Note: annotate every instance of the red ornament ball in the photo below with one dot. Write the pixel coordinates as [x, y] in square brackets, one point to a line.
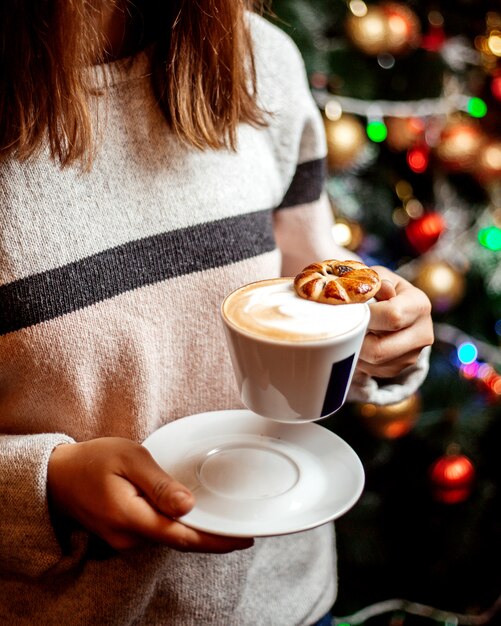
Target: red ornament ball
[434, 39]
[404, 29]
[452, 478]
[424, 231]
[496, 85]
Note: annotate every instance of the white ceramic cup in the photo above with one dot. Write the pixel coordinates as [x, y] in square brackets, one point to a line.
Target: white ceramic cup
[293, 358]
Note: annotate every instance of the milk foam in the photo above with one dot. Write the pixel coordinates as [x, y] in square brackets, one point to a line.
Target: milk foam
[273, 309]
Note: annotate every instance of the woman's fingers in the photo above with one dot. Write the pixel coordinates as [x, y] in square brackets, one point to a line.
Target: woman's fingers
[399, 305]
[165, 493]
[400, 327]
[141, 521]
[151, 513]
[385, 354]
[390, 368]
[116, 490]
[386, 291]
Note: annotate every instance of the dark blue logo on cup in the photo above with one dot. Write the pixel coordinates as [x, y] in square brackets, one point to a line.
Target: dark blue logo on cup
[336, 388]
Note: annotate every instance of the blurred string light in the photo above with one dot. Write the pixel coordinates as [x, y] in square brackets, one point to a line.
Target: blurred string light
[335, 106]
[490, 43]
[358, 8]
[426, 107]
[475, 359]
[490, 238]
[376, 112]
[418, 158]
[484, 373]
[467, 352]
[386, 60]
[494, 44]
[376, 130]
[411, 207]
[402, 23]
[476, 107]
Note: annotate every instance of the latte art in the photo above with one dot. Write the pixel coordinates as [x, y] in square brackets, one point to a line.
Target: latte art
[272, 309]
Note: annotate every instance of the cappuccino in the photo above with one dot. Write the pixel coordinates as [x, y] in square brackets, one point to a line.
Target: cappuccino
[293, 358]
[271, 309]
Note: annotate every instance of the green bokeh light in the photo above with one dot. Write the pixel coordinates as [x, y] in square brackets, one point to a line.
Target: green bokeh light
[490, 238]
[377, 131]
[476, 107]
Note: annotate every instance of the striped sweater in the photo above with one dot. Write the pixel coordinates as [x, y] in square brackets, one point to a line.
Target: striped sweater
[110, 287]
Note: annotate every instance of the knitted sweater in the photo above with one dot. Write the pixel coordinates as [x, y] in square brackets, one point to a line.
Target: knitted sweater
[110, 287]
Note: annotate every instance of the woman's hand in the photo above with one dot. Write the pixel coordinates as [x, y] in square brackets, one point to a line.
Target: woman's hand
[115, 489]
[400, 327]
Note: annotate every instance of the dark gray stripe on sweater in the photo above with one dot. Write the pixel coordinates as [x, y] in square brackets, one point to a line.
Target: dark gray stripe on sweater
[53, 293]
[307, 184]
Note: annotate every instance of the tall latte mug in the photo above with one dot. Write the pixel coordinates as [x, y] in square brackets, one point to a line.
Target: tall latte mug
[293, 359]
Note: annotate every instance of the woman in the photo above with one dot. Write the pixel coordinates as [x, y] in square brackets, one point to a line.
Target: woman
[154, 156]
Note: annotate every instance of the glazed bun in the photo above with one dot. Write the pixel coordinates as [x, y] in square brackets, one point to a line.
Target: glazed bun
[337, 282]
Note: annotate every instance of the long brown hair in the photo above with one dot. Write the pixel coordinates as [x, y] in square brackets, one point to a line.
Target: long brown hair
[203, 73]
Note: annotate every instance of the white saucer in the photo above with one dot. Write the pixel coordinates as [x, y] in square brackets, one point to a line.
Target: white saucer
[253, 477]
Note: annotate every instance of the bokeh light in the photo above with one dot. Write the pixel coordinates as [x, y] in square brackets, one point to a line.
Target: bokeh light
[377, 131]
[467, 352]
[476, 107]
[490, 238]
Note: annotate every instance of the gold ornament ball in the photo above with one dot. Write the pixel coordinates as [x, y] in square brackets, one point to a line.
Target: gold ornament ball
[391, 421]
[403, 132]
[345, 140]
[347, 233]
[443, 284]
[368, 32]
[388, 28]
[488, 166]
[460, 145]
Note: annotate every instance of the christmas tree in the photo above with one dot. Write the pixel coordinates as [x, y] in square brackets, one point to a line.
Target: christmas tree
[410, 93]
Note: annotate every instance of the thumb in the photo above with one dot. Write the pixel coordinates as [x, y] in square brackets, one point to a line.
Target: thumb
[164, 492]
[386, 291]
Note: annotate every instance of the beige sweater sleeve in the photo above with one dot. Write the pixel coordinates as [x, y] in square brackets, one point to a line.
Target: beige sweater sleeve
[28, 541]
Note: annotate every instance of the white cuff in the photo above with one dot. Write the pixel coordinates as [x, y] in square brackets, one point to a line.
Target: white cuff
[366, 389]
